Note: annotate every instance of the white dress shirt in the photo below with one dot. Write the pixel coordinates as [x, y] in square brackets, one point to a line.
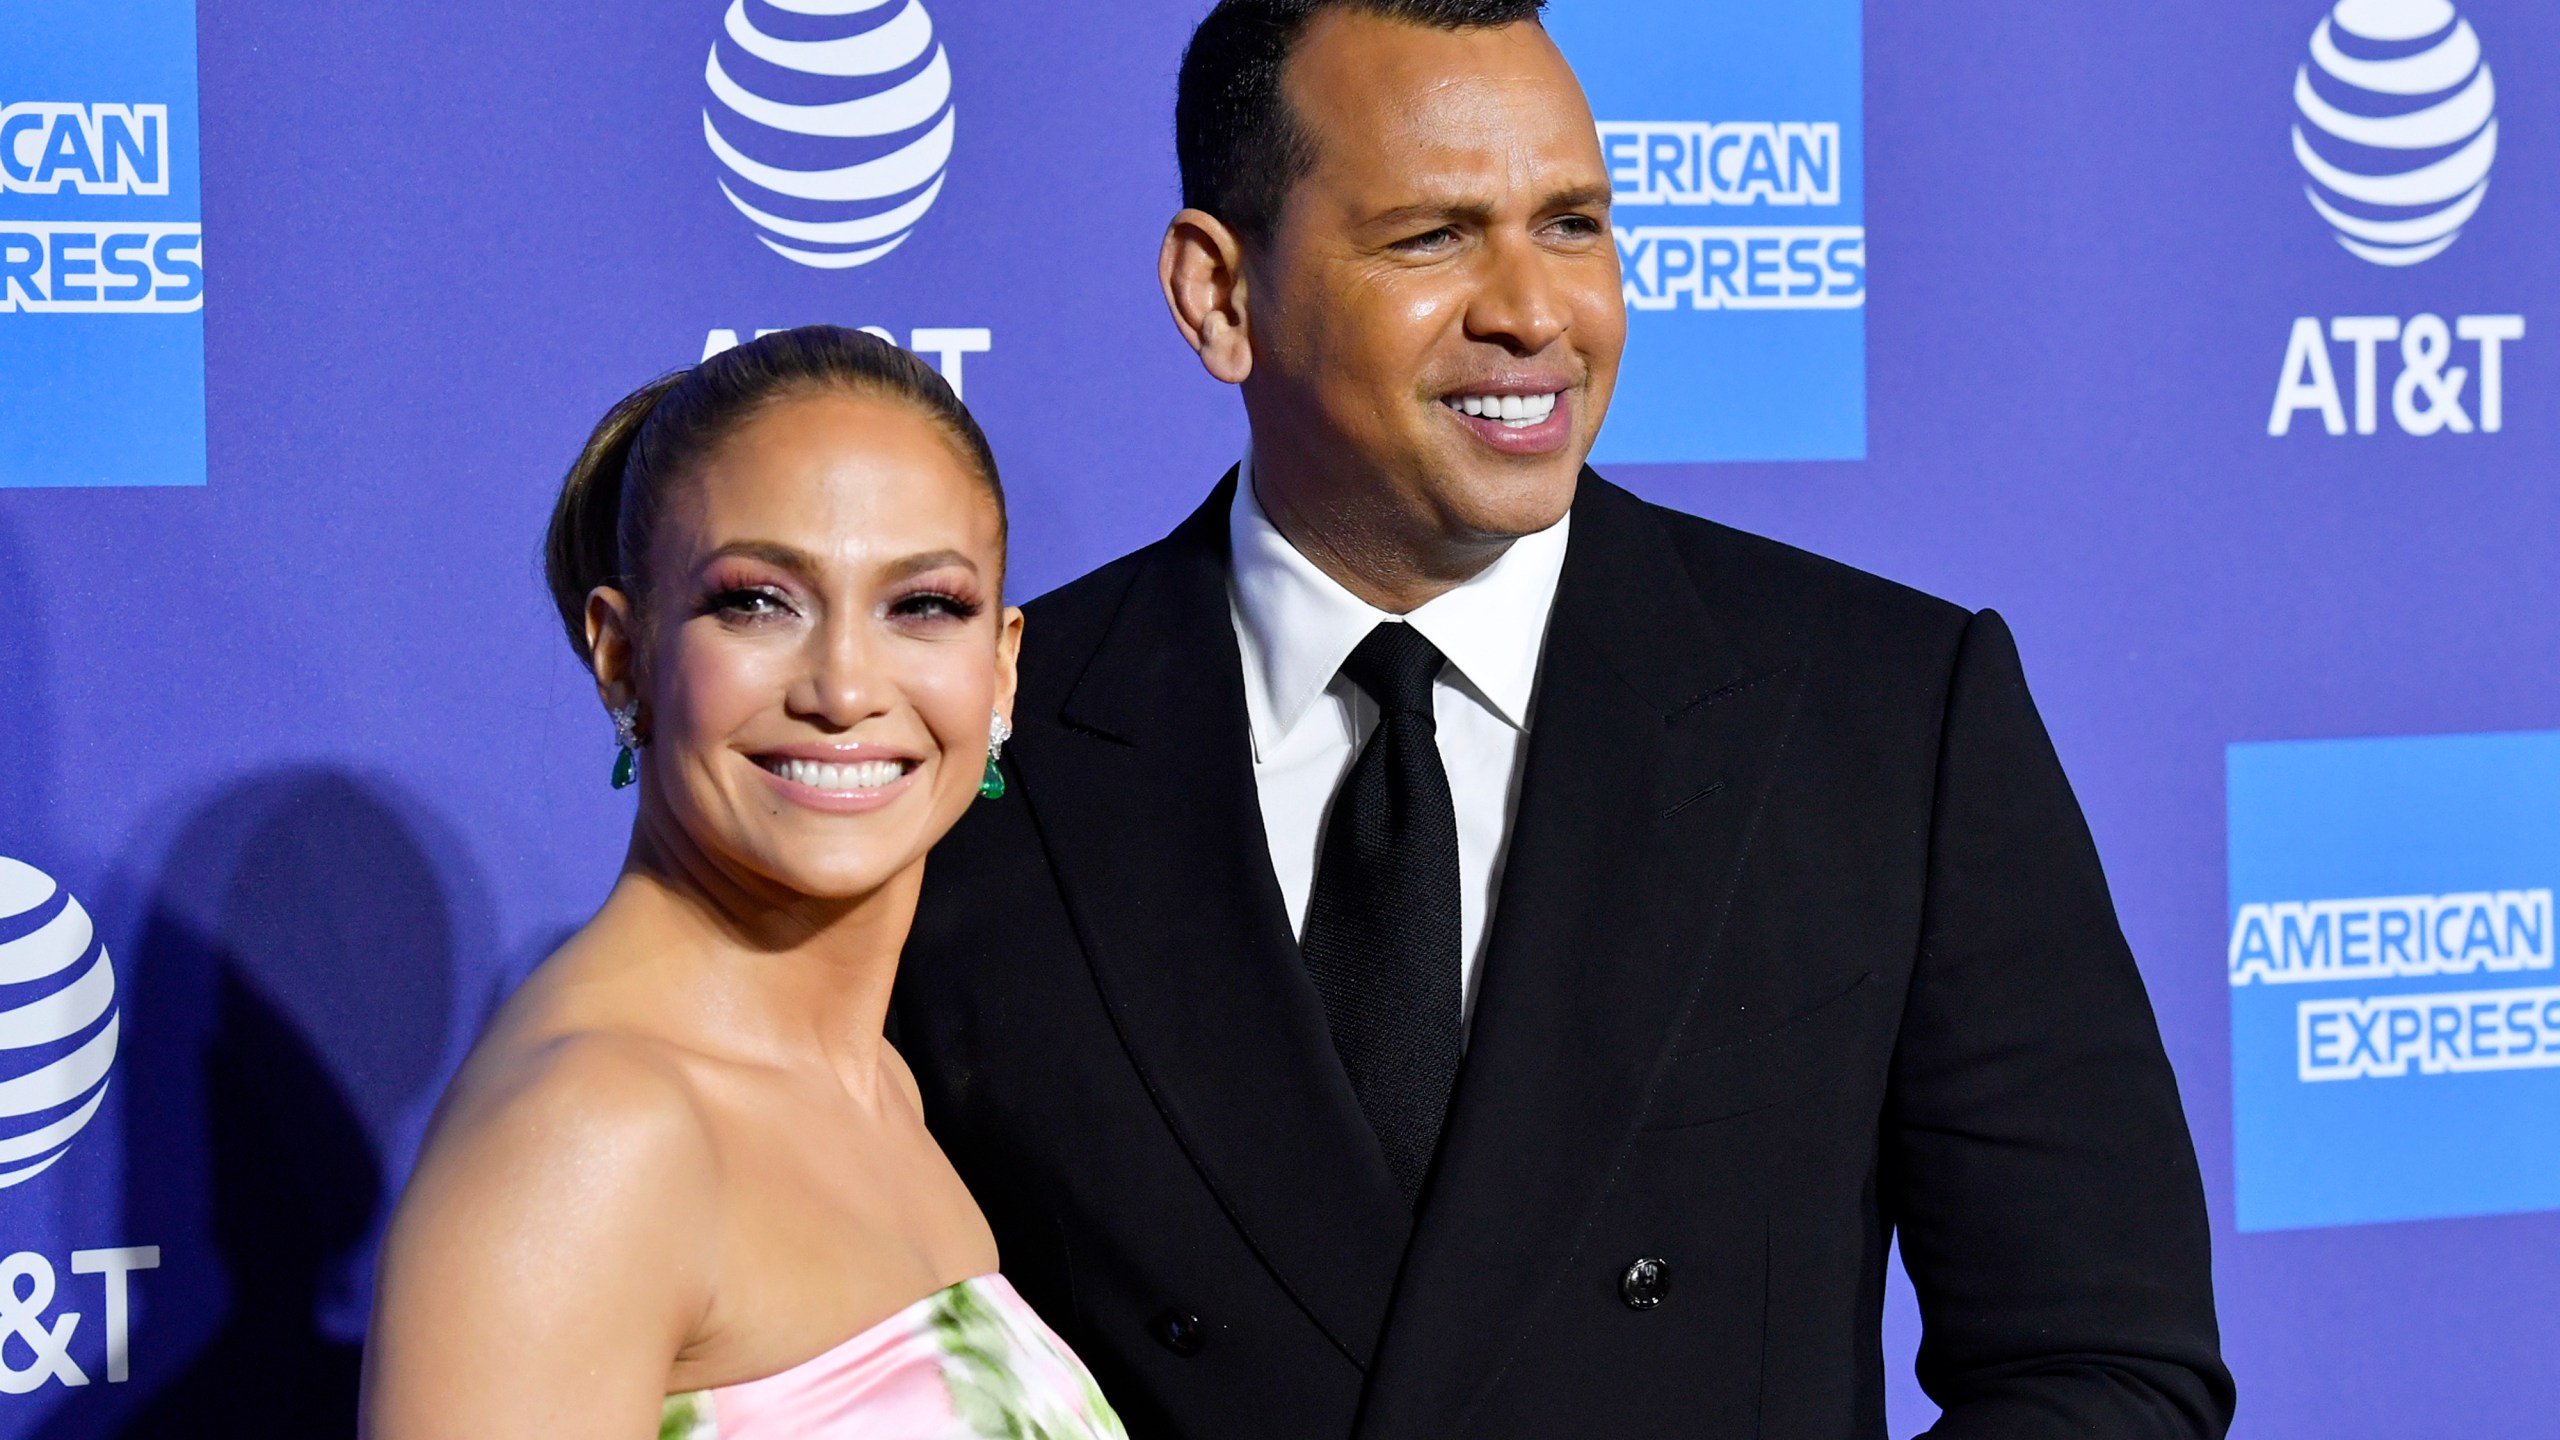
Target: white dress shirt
[1296, 625]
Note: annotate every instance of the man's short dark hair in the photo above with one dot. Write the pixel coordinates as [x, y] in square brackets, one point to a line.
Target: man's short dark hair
[1240, 148]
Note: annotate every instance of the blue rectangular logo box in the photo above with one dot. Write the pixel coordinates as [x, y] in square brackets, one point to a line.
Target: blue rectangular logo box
[1734, 136]
[2395, 1012]
[101, 244]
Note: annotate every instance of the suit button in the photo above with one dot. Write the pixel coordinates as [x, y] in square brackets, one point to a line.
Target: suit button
[1646, 1282]
[1181, 1332]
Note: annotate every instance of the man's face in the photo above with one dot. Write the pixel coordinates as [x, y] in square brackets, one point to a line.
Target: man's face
[1439, 307]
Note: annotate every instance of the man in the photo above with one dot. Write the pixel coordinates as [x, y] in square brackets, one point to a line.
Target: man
[1471, 953]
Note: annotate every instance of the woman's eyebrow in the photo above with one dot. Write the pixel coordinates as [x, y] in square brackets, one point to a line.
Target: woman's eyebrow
[772, 552]
[929, 560]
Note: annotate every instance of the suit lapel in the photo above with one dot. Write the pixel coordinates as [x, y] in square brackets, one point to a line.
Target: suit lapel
[1142, 787]
[1654, 739]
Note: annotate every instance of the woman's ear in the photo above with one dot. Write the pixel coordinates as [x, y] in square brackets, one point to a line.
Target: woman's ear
[613, 645]
[1201, 268]
[1008, 658]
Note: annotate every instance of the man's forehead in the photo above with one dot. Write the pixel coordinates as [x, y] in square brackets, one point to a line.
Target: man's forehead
[1437, 102]
[1371, 67]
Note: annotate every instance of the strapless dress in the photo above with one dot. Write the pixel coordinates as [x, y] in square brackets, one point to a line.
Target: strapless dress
[968, 1363]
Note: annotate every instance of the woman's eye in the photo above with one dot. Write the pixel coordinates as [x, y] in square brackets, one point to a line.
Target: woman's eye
[748, 604]
[932, 605]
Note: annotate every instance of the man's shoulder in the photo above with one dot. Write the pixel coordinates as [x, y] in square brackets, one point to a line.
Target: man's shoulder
[1754, 581]
[1088, 602]
[1750, 582]
[1063, 627]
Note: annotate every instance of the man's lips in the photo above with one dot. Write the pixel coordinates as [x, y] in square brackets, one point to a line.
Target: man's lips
[1525, 416]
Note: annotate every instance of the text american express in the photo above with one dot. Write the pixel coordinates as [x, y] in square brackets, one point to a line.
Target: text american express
[1730, 162]
[2458, 1033]
[1744, 267]
[53, 147]
[2289, 942]
[94, 267]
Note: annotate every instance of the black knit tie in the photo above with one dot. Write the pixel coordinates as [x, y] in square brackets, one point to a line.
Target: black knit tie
[1382, 923]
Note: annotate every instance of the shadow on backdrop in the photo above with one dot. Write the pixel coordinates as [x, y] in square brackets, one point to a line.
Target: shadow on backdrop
[26, 741]
[293, 1002]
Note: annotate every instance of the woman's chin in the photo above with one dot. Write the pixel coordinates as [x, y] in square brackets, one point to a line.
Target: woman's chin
[837, 879]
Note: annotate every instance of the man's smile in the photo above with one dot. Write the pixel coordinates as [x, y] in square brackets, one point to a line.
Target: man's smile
[1513, 411]
[1515, 415]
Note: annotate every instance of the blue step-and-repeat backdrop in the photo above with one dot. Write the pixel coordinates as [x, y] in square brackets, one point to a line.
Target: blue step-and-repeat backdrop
[2211, 342]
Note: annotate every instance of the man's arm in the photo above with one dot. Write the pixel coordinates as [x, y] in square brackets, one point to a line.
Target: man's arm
[2037, 1161]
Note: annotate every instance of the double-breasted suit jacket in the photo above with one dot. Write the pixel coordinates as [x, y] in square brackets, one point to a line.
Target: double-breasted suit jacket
[1801, 943]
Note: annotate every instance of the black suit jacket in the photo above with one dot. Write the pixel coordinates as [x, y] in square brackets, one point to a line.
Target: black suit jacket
[1801, 941]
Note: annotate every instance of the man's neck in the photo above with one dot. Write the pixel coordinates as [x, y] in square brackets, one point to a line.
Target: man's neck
[1360, 537]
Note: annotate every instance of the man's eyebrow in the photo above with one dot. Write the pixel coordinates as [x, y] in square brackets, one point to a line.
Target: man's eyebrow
[1441, 211]
[1580, 197]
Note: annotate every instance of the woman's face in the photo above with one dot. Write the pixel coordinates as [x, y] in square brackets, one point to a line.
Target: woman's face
[824, 645]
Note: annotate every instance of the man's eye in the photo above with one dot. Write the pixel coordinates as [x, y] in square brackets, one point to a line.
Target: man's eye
[1581, 227]
[1429, 240]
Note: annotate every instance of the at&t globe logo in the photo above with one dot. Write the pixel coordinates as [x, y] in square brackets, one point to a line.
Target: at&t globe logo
[58, 1032]
[833, 119]
[2398, 127]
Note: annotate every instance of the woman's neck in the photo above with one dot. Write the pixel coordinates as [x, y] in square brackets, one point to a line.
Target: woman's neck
[772, 970]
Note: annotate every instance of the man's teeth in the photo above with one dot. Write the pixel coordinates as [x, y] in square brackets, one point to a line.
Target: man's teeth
[1518, 412]
[865, 775]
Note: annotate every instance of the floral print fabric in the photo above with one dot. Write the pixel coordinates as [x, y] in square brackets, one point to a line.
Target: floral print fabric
[969, 1363]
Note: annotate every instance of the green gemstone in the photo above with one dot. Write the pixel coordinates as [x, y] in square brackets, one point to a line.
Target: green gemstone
[992, 788]
[626, 770]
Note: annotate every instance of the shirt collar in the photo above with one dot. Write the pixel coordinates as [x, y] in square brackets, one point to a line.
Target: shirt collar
[1297, 624]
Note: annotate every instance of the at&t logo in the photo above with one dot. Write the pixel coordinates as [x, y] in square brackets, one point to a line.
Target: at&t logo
[2397, 130]
[57, 1043]
[58, 1032]
[2398, 127]
[28, 1286]
[834, 120]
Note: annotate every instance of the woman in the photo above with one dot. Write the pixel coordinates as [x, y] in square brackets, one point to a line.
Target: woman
[684, 1184]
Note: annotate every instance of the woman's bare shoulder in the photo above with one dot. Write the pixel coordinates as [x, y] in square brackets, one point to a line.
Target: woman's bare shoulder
[571, 1124]
[568, 1186]
[570, 1073]
[578, 1090]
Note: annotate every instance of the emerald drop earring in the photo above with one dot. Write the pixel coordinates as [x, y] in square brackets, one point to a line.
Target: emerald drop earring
[626, 731]
[992, 787]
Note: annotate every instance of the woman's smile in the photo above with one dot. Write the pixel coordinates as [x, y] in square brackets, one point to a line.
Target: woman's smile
[839, 779]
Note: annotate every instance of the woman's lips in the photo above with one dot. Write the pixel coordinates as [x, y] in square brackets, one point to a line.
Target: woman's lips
[839, 786]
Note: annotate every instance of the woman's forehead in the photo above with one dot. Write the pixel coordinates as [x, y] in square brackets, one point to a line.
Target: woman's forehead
[838, 474]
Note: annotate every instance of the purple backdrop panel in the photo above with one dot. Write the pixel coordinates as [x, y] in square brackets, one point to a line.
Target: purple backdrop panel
[305, 748]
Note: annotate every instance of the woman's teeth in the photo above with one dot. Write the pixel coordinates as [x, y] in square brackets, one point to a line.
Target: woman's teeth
[863, 775]
[1518, 412]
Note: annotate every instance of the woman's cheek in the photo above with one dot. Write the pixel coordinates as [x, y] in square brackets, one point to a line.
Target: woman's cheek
[723, 684]
[955, 693]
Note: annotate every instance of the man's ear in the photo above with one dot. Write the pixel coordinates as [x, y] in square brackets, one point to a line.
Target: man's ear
[1202, 269]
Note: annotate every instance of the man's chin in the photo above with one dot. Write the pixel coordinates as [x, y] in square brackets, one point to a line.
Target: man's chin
[1508, 499]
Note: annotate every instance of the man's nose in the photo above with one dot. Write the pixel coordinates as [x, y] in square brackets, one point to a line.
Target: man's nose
[1519, 305]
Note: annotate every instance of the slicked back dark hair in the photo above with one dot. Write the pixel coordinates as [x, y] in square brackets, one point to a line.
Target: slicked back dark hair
[655, 438]
[1241, 150]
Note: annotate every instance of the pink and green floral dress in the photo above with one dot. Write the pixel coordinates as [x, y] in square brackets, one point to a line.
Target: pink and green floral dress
[968, 1363]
